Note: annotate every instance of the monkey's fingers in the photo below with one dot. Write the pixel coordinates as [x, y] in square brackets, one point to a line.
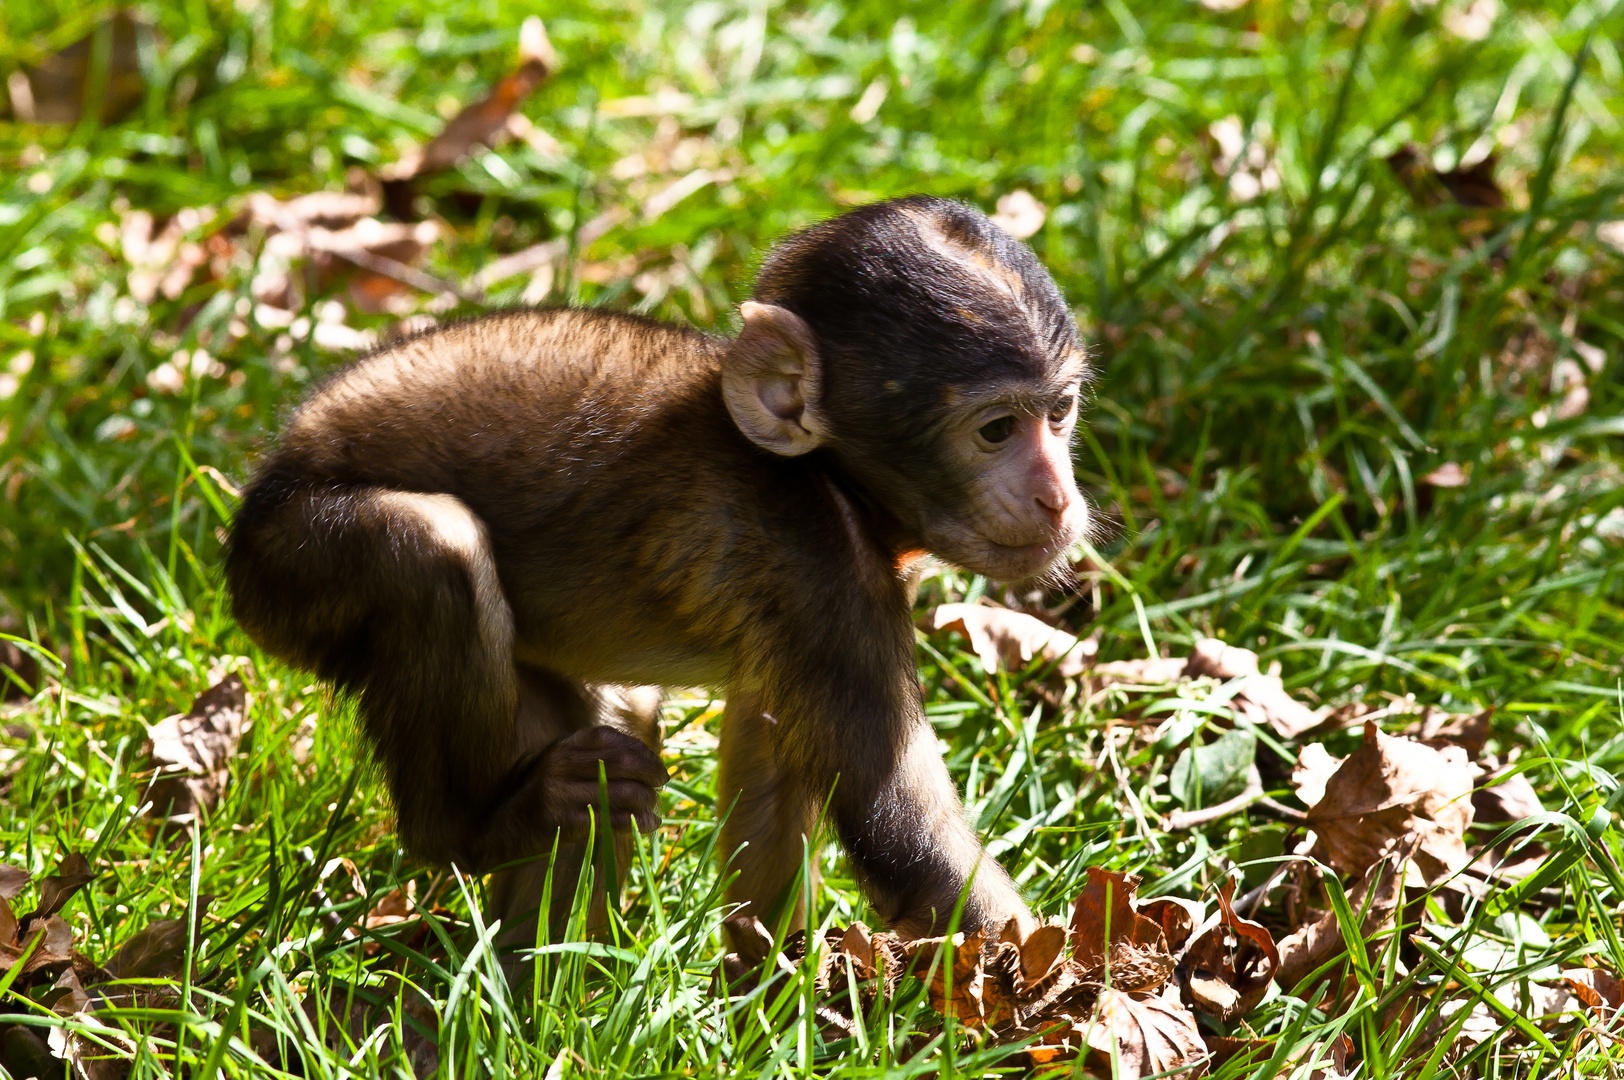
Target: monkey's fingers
[630, 802]
[623, 757]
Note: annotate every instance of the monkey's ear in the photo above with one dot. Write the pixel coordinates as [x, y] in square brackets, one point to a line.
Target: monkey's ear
[770, 380]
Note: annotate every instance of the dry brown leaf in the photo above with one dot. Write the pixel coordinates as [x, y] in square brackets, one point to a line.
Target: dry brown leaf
[1149, 1034]
[1483, 1022]
[156, 951]
[193, 753]
[395, 906]
[1472, 186]
[87, 1058]
[1600, 990]
[13, 879]
[1040, 950]
[1106, 932]
[72, 874]
[486, 121]
[1447, 475]
[1314, 768]
[55, 949]
[1178, 917]
[1260, 698]
[324, 209]
[1228, 968]
[1007, 640]
[960, 958]
[1379, 894]
[1388, 793]
[54, 91]
[1469, 731]
[25, 1052]
[354, 1013]
[1511, 799]
[1156, 671]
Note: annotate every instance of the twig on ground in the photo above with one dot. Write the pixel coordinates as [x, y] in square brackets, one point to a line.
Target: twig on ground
[408, 275]
[1189, 819]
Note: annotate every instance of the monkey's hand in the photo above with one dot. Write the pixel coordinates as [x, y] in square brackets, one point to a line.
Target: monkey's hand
[564, 781]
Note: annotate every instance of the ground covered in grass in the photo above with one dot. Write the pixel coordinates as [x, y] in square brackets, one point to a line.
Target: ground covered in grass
[1355, 280]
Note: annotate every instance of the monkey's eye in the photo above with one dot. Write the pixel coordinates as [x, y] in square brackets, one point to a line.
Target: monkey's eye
[997, 431]
[1062, 410]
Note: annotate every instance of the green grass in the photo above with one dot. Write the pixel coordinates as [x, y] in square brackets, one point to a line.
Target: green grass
[1276, 375]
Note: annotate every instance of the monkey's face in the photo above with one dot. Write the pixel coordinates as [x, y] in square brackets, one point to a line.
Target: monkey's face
[995, 494]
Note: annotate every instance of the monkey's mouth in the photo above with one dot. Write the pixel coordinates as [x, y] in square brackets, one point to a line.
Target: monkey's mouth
[1005, 559]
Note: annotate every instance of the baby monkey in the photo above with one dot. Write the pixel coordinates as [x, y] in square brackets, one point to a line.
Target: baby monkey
[493, 533]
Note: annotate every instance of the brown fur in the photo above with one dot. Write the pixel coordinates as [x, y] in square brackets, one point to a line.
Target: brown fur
[485, 531]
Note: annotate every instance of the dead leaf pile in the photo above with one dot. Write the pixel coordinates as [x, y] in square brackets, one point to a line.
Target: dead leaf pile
[1006, 640]
[1123, 979]
[39, 957]
[309, 244]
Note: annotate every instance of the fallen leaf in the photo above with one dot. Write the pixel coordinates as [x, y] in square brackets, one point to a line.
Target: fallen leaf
[1511, 799]
[1107, 933]
[1156, 671]
[1020, 214]
[55, 948]
[55, 890]
[1178, 917]
[1314, 768]
[1388, 793]
[1228, 968]
[1483, 1023]
[955, 981]
[13, 879]
[355, 1013]
[24, 1053]
[1473, 186]
[1260, 698]
[156, 951]
[1007, 640]
[90, 1058]
[53, 92]
[1600, 990]
[1040, 950]
[192, 753]
[1447, 475]
[395, 906]
[1149, 1035]
[484, 123]
[1379, 894]
[1469, 731]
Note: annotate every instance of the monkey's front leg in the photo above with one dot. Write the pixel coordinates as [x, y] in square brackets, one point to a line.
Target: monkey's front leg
[850, 728]
[914, 853]
[766, 814]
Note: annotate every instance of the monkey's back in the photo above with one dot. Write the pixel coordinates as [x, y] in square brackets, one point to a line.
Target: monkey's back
[542, 422]
[494, 399]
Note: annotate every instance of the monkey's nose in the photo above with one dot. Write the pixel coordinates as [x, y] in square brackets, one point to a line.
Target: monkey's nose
[1055, 504]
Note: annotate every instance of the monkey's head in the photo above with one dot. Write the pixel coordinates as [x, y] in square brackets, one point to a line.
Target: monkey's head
[931, 355]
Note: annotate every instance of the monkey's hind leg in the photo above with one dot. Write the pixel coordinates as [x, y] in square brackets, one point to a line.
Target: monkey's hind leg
[394, 596]
[769, 818]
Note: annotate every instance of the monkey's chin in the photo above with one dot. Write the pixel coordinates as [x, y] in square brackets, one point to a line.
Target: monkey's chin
[1004, 562]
